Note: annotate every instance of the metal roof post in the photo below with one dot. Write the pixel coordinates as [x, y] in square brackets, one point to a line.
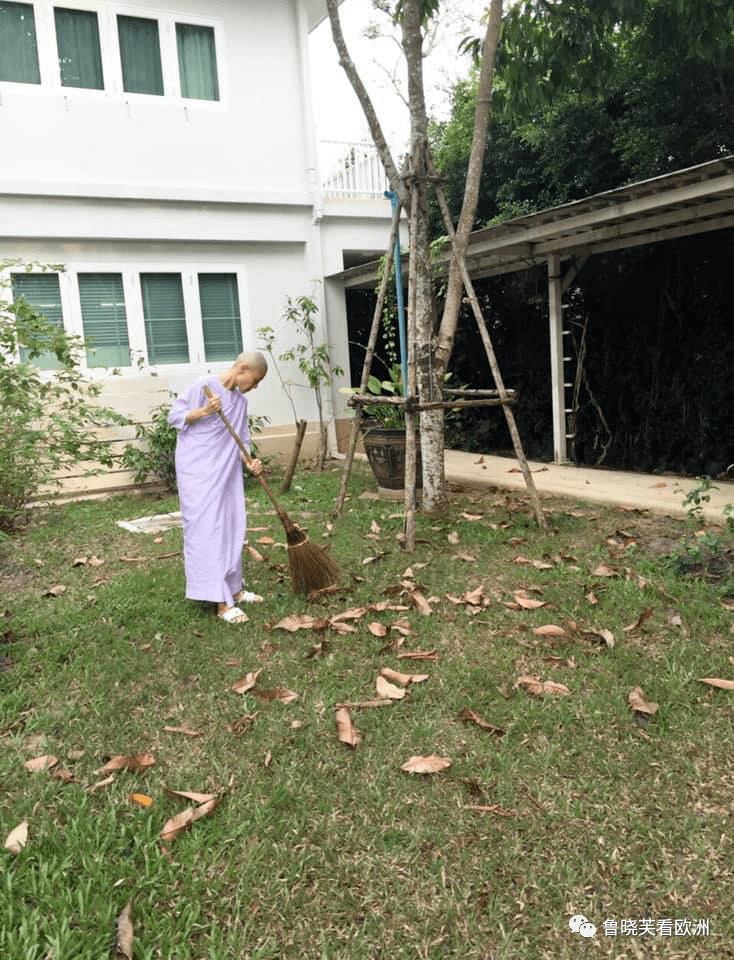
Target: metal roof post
[555, 310]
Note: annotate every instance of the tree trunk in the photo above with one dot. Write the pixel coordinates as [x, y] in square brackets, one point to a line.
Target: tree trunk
[455, 286]
[431, 422]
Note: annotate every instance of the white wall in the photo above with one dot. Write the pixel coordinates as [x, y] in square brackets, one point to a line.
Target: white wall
[253, 136]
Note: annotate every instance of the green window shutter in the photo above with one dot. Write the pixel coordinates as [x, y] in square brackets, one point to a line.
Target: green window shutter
[140, 53]
[220, 315]
[105, 321]
[41, 290]
[165, 320]
[18, 51]
[197, 62]
[77, 40]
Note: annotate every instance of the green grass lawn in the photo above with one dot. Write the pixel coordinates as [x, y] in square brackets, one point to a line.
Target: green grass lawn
[561, 804]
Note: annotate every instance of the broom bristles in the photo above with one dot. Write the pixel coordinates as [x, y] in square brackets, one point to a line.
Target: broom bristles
[311, 568]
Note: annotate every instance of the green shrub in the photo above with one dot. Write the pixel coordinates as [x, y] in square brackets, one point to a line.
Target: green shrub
[49, 419]
[156, 456]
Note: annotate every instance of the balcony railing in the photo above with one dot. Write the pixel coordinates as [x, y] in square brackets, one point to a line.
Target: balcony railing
[352, 170]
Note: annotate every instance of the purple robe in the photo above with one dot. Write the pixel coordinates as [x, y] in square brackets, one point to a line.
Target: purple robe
[211, 492]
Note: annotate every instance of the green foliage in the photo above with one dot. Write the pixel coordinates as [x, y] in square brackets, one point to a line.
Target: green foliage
[49, 419]
[312, 358]
[155, 455]
[697, 497]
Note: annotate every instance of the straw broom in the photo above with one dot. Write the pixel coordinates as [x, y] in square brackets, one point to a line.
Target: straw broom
[311, 568]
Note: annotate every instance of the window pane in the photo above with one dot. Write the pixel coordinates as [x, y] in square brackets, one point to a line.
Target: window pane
[197, 62]
[220, 315]
[77, 40]
[140, 53]
[165, 321]
[105, 321]
[18, 53]
[41, 290]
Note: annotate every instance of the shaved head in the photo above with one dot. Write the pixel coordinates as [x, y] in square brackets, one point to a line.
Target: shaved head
[253, 360]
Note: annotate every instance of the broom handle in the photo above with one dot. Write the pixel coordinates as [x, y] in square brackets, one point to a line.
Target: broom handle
[246, 456]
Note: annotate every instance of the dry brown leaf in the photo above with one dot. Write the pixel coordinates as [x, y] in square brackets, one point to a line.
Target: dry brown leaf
[341, 627]
[453, 538]
[402, 678]
[645, 615]
[364, 704]
[346, 731]
[475, 597]
[241, 726]
[639, 704]
[41, 763]
[606, 635]
[715, 682]
[419, 655]
[604, 571]
[549, 630]
[377, 629]
[388, 691]
[186, 731]
[469, 716]
[17, 838]
[375, 527]
[472, 516]
[489, 808]
[278, 693]
[103, 783]
[247, 682]
[182, 821]
[421, 604]
[296, 621]
[527, 603]
[66, 776]
[138, 761]
[255, 554]
[403, 627]
[538, 687]
[466, 557]
[56, 591]
[125, 935]
[592, 598]
[190, 795]
[429, 764]
[355, 613]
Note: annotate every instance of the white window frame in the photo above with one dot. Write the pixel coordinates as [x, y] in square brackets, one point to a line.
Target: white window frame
[189, 271]
[65, 296]
[48, 56]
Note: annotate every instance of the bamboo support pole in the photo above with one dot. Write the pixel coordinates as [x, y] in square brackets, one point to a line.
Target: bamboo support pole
[415, 406]
[369, 354]
[494, 366]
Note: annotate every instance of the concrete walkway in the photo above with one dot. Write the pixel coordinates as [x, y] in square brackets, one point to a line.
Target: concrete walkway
[660, 494]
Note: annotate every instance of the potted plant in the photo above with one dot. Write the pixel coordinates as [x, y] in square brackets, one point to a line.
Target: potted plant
[383, 432]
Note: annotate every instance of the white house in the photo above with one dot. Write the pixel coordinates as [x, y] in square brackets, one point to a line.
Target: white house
[166, 155]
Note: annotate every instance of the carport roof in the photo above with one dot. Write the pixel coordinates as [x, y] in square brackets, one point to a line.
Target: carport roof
[694, 200]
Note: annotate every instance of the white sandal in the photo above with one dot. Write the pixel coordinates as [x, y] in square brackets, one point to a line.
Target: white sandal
[231, 615]
[246, 596]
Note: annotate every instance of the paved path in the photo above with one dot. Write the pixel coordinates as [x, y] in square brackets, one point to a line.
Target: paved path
[659, 494]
